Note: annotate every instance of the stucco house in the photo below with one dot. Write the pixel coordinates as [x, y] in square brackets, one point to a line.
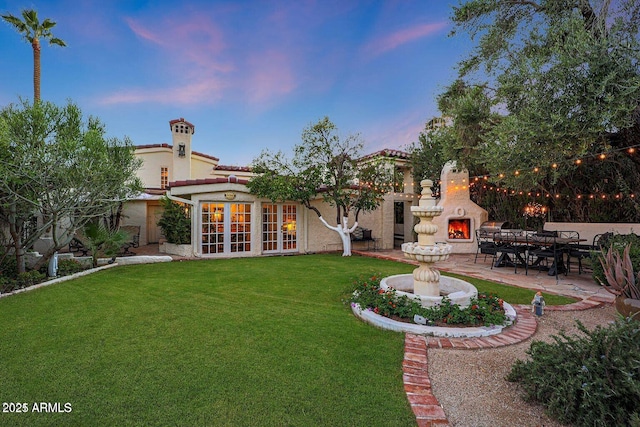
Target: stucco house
[228, 221]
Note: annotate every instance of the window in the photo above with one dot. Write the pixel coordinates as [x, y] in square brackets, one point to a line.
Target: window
[164, 177]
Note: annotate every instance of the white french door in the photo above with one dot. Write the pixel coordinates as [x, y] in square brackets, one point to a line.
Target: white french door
[279, 228]
[226, 228]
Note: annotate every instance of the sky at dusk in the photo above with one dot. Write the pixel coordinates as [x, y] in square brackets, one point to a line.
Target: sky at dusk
[248, 74]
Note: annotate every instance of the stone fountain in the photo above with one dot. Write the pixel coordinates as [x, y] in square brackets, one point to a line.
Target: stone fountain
[426, 283]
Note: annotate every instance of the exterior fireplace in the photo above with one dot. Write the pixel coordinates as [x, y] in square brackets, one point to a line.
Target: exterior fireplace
[460, 216]
[459, 228]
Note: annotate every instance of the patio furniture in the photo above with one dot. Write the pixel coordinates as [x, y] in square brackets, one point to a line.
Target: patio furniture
[79, 244]
[582, 251]
[486, 245]
[361, 234]
[134, 239]
[551, 246]
[511, 247]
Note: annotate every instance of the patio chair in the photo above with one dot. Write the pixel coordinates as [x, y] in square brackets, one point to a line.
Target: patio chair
[134, 239]
[546, 249]
[486, 245]
[582, 251]
[509, 251]
[79, 244]
[577, 251]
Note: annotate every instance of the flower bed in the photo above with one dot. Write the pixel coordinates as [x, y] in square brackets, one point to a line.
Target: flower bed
[485, 310]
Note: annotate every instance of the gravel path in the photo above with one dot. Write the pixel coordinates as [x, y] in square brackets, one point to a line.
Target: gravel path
[470, 384]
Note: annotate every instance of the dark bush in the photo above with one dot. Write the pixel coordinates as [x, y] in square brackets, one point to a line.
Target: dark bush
[30, 278]
[9, 267]
[67, 267]
[590, 380]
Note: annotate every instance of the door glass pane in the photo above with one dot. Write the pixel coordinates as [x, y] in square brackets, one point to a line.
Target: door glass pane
[240, 227]
[289, 227]
[213, 228]
[269, 227]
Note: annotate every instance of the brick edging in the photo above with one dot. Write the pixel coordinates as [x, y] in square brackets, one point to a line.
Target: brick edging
[417, 384]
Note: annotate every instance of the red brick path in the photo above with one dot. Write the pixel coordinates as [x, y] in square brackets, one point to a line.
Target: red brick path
[417, 384]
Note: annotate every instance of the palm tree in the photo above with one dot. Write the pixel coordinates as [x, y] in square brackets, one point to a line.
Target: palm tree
[33, 30]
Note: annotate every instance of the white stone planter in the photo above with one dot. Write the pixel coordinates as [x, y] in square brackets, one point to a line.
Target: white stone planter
[435, 331]
[174, 249]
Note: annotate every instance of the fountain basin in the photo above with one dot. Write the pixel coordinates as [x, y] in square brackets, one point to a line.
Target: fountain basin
[382, 322]
[457, 290]
[427, 254]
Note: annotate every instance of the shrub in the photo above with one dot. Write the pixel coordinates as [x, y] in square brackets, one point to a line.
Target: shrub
[8, 267]
[30, 278]
[67, 267]
[175, 222]
[585, 380]
[6, 285]
[484, 310]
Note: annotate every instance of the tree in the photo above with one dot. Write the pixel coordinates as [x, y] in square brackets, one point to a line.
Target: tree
[563, 82]
[325, 166]
[61, 170]
[428, 155]
[33, 30]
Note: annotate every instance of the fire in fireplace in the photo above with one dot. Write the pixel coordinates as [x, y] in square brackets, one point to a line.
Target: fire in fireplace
[460, 228]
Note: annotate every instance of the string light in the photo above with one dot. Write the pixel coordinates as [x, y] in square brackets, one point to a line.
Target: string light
[556, 165]
[578, 161]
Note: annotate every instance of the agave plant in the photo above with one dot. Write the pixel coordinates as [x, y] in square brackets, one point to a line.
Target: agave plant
[619, 275]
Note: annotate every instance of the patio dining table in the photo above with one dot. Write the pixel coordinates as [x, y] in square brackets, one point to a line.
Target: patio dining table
[534, 240]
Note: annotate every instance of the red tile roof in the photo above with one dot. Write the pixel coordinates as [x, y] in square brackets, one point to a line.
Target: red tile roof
[230, 179]
[169, 146]
[386, 152]
[232, 168]
[181, 120]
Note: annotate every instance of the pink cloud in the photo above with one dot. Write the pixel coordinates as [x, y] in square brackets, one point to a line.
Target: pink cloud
[193, 49]
[144, 33]
[401, 37]
[205, 91]
[270, 75]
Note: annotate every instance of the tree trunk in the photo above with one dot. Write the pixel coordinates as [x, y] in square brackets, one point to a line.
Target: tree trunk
[35, 44]
[344, 232]
[16, 235]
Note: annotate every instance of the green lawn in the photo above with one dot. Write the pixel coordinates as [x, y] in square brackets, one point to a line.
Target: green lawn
[239, 342]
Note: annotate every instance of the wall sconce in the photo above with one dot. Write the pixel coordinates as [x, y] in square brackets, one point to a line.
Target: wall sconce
[181, 150]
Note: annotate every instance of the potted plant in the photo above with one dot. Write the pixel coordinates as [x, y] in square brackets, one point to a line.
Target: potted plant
[621, 281]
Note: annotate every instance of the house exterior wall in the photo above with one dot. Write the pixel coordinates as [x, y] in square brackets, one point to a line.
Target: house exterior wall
[201, 168]
[135, 213]
[589, 230]
[152, 161]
